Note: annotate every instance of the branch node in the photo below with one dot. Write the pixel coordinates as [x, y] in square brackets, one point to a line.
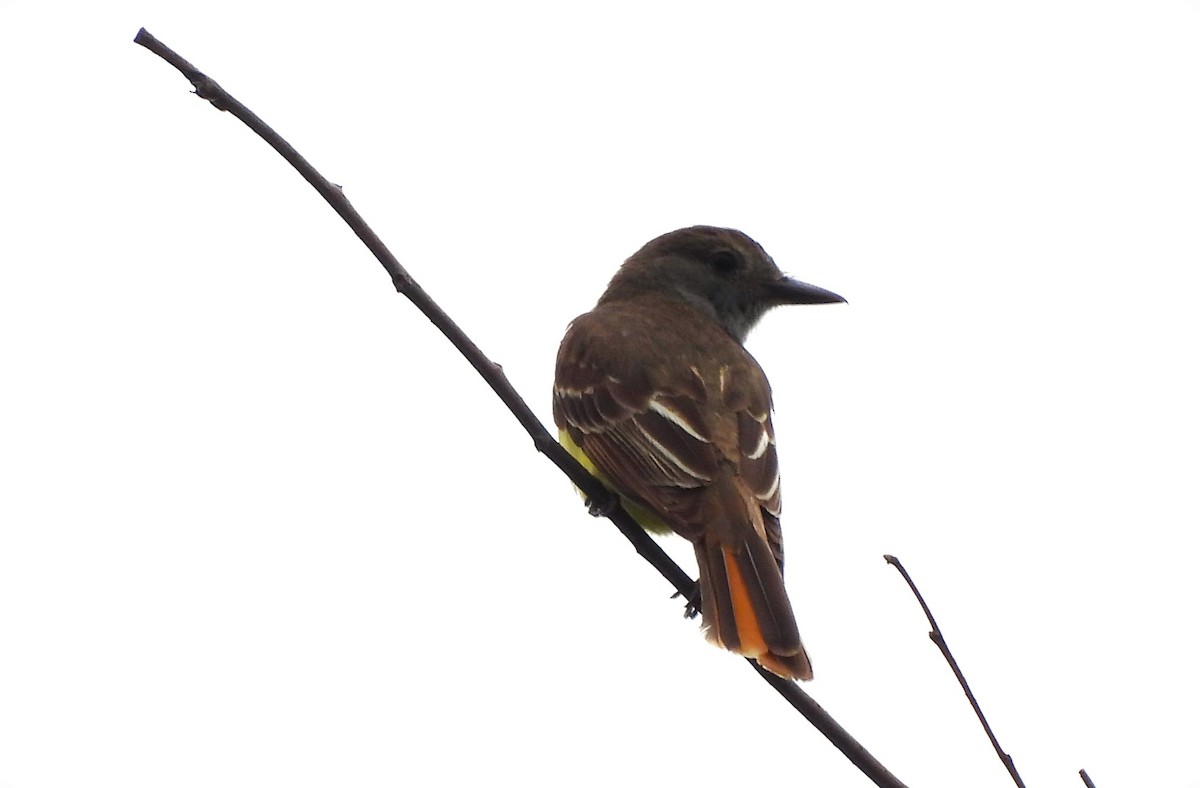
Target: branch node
[208, 89]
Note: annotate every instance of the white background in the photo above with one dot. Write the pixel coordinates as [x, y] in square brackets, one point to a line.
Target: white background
[260, 525]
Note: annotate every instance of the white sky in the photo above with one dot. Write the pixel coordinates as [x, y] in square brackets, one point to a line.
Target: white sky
[259, 525]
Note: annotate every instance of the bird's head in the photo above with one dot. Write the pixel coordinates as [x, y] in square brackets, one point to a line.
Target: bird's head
[722, 272]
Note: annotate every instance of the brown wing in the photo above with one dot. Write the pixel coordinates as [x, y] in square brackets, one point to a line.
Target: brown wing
[656, 433]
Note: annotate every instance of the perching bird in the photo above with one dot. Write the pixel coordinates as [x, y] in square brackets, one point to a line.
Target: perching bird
[655, 395]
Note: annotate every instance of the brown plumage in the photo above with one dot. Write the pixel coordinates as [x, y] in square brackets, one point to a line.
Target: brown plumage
[655, 390]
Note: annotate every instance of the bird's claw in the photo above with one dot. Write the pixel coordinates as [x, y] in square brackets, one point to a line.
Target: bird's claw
[692, 609]
[602, 507]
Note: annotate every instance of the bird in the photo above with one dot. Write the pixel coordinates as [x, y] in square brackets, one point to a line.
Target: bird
[656, 396]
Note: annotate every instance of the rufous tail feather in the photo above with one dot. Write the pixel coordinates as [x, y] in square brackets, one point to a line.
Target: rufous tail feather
[746, 609]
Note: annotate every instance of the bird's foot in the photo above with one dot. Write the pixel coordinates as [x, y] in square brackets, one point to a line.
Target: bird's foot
[603, 506]
[692, 609]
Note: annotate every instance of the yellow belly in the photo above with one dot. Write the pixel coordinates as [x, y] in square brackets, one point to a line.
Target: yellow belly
[643, 516]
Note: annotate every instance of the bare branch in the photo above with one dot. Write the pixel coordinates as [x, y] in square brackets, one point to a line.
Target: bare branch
[1086, 780]
[814, 713]
[600, 497]
[940, 641]
[491, 372]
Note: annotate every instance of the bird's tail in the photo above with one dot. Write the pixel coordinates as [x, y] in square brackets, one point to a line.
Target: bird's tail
[745, 606]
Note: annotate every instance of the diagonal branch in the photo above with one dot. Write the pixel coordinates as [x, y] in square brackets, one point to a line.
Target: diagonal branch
[492, 373]
[600, 497]
[940, 641]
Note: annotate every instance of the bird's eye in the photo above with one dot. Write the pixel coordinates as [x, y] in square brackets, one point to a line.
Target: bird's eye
[723, 261]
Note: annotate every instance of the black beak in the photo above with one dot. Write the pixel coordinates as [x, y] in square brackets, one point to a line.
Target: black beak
[790, 291]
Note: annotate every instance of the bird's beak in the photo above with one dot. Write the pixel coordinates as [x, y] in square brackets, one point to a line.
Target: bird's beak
[789, 291]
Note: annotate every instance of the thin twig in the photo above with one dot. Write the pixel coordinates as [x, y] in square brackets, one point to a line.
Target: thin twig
[937, 637]
[600, 497]
[1086, 780]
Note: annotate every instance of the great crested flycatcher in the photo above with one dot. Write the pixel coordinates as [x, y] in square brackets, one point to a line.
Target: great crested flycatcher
[655, 395]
